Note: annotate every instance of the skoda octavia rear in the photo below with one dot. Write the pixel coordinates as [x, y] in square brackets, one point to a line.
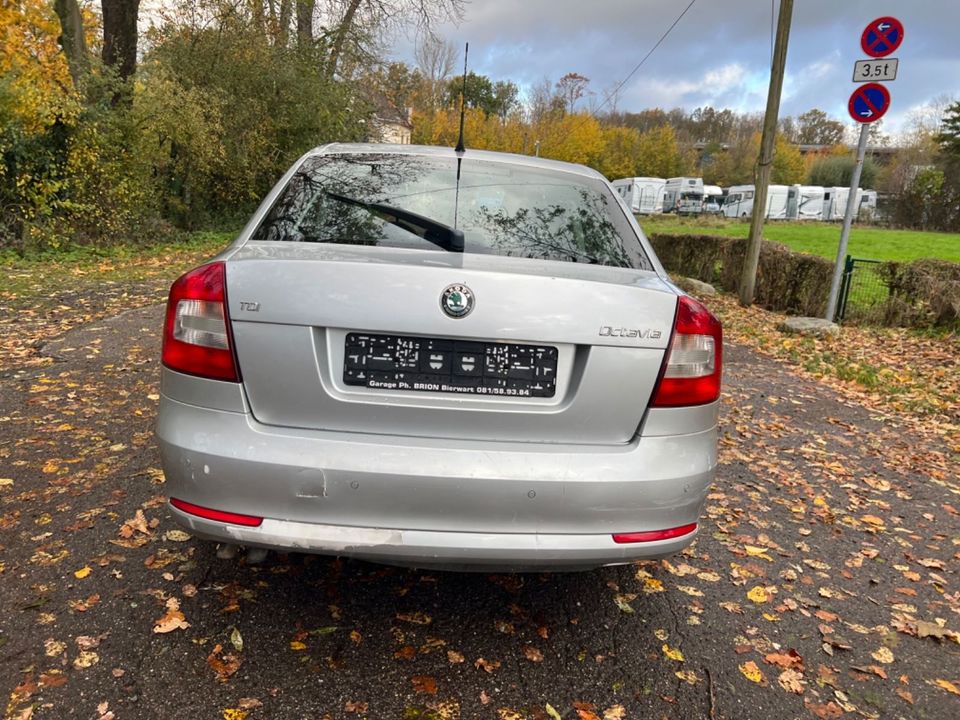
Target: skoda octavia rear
[431, 358]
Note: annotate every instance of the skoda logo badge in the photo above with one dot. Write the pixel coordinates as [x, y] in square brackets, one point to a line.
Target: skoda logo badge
[457, 301]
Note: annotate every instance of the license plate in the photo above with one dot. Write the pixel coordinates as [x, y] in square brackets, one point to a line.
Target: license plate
[400, 362]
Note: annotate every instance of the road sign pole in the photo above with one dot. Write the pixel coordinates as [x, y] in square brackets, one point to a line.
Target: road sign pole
[847, 222]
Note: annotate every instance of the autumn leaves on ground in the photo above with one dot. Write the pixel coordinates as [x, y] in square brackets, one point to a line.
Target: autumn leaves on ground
[823, 583]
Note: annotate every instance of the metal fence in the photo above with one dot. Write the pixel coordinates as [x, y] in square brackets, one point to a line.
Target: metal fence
[862, 290]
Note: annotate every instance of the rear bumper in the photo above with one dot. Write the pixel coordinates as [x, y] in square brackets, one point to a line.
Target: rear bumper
[433, 549]
[433, 503]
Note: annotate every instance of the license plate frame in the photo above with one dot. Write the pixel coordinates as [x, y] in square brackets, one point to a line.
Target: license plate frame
[410, 363]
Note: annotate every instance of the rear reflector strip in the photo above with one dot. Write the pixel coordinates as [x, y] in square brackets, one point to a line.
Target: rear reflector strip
[218, 515]
[653, 535]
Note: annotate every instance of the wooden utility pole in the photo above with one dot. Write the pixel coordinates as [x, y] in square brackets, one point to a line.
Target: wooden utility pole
[748, 279]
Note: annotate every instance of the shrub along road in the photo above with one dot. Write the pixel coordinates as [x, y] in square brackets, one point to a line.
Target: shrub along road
[824, 582]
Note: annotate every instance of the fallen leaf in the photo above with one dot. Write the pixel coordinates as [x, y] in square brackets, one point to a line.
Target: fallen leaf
[87, 642]
[904, 694]
[791, 681]
[417, 618]
[486, 665]
[672, 653]
[751, 672]
[53, 648]
[790, 659]
[82, 572]
[355, 707]
[758, 594]
[297, 645]
[883, 655]
[688, 676]
[753, 551]
[234, 714]
[623, 602]
[424, 684]
[224, 666]
[85, 659]
[236, 639]
[172, 620]
[828, 711]
[950, 687]
[454, 657]
[551, 711]
[615, 712]
[532, 654]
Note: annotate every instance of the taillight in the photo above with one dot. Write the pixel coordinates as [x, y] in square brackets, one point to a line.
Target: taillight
[654, 535]
[218, 515]
[196, 334]
[691, 375]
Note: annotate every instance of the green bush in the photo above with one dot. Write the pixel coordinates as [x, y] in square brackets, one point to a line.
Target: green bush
[787, 281]
[922, 293]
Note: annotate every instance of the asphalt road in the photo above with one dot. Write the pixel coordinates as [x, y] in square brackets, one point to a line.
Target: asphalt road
[831, 534]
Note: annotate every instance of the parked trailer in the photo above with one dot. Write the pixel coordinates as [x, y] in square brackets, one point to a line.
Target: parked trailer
[644, 195]
[868, 206]
[683, 195]
[740, 202]
[835, 202]
[805, 202]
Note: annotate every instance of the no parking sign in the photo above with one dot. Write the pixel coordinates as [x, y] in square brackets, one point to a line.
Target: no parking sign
[869, 103]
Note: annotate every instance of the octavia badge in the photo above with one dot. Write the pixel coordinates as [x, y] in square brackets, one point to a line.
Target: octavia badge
[457, 301]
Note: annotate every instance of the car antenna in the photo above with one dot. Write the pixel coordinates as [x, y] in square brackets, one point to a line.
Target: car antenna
[463, 100]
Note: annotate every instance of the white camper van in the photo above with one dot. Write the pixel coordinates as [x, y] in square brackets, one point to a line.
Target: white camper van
[805, 202]
[835, 202]
[712, 199]
[683, 195]
[643, 195]
[740, 202]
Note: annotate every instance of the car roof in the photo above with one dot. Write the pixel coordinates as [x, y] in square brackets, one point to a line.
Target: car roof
[469, 154]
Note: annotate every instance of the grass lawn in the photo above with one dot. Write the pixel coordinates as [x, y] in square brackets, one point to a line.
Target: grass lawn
[819, 238]
[33, 280]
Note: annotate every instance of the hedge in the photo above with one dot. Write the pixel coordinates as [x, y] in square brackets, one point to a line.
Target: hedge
[787, 281]
[922, 292]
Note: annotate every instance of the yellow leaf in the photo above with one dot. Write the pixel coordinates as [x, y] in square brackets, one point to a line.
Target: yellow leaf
[688, 676]
[297, 645]
[552, 712]
[882, 655]
[754, 551]
[751, 672]
[947, 685]
[82, 572]
[85, 659]
[234, 714]
[758, 594]
[672, 653]
[652, 585]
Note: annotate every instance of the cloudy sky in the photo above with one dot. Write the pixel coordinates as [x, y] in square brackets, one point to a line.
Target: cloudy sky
[719, 53]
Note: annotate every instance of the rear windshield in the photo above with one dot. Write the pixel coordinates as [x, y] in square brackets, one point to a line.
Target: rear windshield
[502, 208]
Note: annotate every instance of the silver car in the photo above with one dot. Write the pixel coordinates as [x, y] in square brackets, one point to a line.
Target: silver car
[456, 360]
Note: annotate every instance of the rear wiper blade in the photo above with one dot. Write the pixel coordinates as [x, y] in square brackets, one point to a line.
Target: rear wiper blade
[432, 231]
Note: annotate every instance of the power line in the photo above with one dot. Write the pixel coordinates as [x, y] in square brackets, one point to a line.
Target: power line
[642, 61]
